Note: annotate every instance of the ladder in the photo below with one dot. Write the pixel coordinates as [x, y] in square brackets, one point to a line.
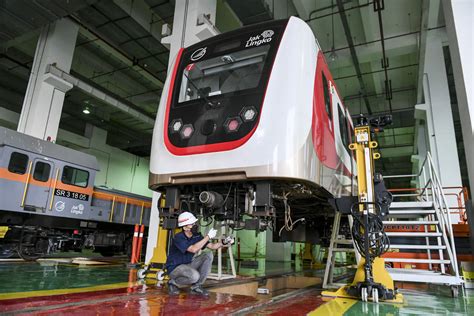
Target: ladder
[337, 244]
[421, 233]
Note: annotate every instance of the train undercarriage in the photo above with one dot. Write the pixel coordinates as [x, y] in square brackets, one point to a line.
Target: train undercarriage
[292, 211]
[49, 236]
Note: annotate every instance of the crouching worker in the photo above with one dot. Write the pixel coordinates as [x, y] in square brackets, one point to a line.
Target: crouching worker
[183, 267]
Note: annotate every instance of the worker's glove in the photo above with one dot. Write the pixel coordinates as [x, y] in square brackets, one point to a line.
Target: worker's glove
[212, 233]
[227, 240]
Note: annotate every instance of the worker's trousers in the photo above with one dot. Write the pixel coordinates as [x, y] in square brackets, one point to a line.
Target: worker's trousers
[194, 273]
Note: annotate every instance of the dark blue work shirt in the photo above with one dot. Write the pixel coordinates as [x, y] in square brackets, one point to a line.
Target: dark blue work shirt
[178, 253]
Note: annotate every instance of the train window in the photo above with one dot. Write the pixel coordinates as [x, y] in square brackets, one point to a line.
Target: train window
[225, 73]
[42, 171]
[343, 128]
[327, 97]
[75, 176]
[18, 163]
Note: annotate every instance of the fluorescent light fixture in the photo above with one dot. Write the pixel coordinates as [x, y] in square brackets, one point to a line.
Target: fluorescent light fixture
[86, 110]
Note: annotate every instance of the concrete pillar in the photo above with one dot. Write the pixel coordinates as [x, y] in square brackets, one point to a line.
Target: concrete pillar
[458, 15]
[193, 21]
[439, 118]
[44, 96]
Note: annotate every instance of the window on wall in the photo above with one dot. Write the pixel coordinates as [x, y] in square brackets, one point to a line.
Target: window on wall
[42, 171]
[18, 163]
[343, 128]
[327, 97]
[74, 176]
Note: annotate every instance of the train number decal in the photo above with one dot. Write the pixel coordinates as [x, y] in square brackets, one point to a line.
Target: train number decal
[71, 195]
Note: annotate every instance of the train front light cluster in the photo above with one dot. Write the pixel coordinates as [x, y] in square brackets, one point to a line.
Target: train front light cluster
[232, 124]
[176, 125]
[187, 131]
[248, 113]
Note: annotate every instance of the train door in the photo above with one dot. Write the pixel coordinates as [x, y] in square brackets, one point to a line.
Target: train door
[39, 186]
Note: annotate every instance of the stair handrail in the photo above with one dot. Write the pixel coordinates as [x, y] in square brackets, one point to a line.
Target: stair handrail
[445, 217]
[424, 189]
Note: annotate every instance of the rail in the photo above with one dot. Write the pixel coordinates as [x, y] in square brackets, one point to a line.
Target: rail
[431, 190]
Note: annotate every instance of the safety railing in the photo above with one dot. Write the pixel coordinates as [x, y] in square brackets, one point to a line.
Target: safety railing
[431, 190]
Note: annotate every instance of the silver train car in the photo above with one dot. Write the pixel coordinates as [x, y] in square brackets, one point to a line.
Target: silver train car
[48, 202]
[251, 130]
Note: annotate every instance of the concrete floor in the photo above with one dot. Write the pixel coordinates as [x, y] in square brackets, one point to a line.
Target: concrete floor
[50, 287]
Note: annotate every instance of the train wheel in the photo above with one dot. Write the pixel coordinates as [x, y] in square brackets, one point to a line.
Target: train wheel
[141, 273]
[32, 248]
[160, 275]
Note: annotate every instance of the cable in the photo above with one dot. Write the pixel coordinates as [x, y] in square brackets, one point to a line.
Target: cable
[379, 242]
[288, 225]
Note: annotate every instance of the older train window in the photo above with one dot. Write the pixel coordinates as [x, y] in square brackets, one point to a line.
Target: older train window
[18, 163]
[42, 171]
[75, 176]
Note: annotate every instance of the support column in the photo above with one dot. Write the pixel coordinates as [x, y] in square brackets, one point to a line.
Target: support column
[44, 96]
[193, 21]
[458, 16]
[439, 118]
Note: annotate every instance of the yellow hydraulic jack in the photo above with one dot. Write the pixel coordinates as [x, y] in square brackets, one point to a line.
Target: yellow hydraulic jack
[371, 281]
[155, 269]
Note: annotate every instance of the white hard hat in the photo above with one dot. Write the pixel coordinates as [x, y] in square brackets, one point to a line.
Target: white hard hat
[186, 218]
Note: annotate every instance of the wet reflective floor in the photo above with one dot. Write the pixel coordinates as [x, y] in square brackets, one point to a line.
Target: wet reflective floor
[60, 289]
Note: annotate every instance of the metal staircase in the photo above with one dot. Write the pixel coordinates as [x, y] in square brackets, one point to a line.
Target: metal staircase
[421, 233]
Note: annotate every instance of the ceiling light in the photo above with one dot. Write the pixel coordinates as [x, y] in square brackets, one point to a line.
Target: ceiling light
[86, 110]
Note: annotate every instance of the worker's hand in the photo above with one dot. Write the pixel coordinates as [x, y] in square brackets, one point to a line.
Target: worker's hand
[212, 233]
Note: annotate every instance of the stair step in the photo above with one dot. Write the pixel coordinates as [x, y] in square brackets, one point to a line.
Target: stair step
[421, 247]
[411, 205]
[343, 249]
[343, 242]
[408, 260]
[410, 212]
[421, 222]
[411, 234]
[423, 276]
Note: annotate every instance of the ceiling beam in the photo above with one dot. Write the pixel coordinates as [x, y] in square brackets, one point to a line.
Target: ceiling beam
[106, 45]
[99, 94]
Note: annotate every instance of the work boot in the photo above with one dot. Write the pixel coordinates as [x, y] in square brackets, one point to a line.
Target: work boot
[198, 290]
[173, 289]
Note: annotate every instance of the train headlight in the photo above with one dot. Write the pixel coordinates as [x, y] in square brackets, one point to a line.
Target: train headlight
[248, 113]
[187, 131]
[232, 124]
[176, 125]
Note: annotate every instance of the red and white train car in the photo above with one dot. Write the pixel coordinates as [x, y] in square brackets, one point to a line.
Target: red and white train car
[250, 123]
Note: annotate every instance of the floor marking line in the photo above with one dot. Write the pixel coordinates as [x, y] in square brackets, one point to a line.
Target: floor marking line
[15, 295]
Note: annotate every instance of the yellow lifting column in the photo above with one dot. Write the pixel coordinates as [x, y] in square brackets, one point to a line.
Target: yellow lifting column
[374, 274]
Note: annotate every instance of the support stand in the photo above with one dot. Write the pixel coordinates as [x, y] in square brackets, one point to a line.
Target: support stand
[371, 279]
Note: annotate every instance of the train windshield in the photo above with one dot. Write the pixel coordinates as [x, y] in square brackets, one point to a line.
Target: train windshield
[225, 73]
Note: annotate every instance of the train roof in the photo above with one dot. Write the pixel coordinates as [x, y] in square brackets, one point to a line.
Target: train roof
[25, 142]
